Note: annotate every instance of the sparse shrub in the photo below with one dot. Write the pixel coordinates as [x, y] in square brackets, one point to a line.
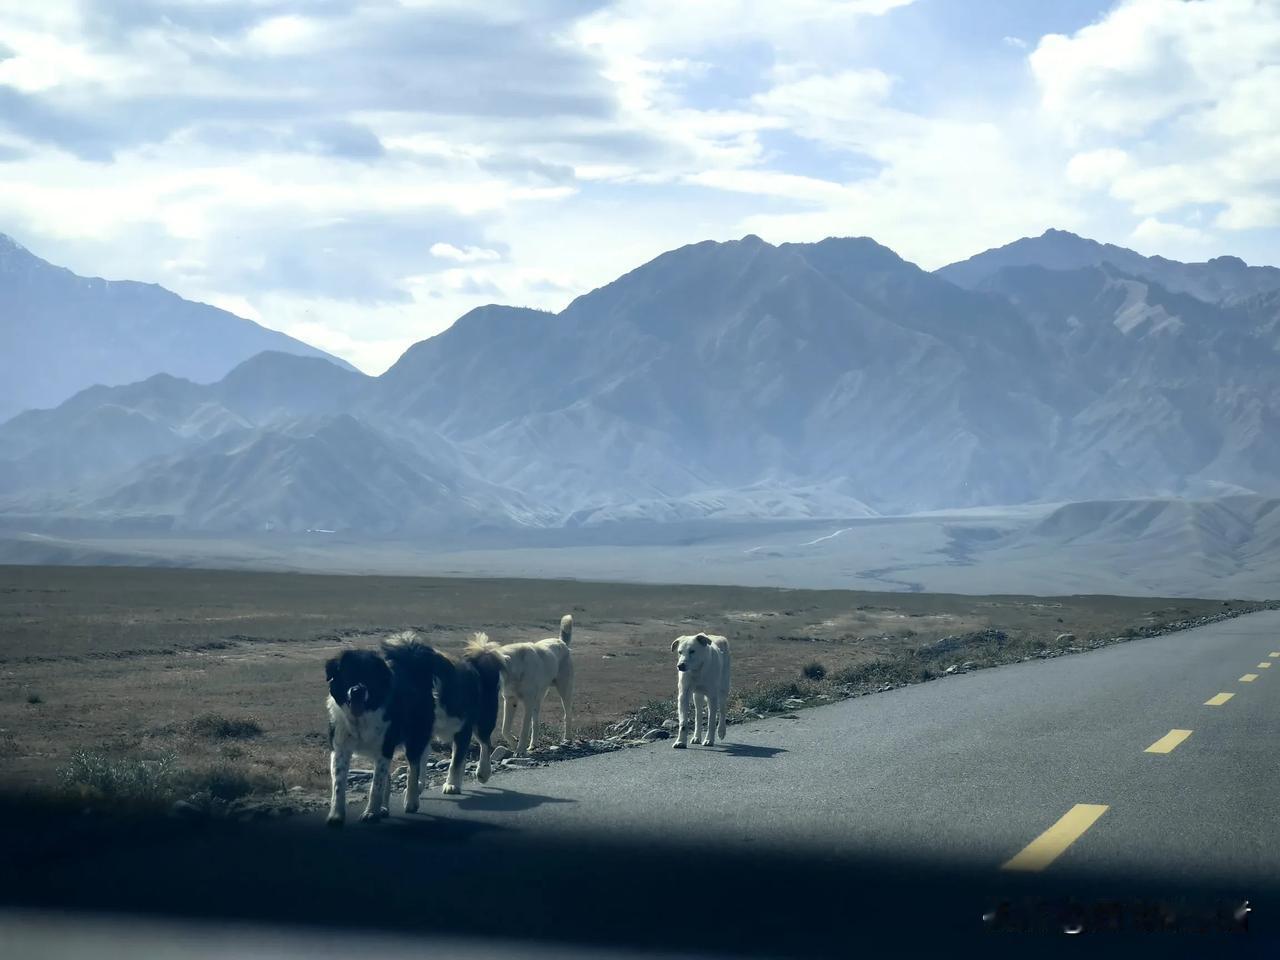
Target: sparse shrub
[224, 781]
[773, 697]
[93, 773]
[766, 699]
[214, 726]
[654, 712]
[880, 672]
[813, 671]
[34, 698]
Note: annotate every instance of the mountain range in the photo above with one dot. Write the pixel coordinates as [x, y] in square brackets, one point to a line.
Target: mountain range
[725, 381]
[61, 333]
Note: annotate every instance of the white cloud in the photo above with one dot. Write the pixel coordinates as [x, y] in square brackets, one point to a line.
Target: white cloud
[1149, 60]
[40, 61]
[1152, 233]
[1186, 93]
[288, 34]
[834, 108]
[447, 251]
[1098, 168]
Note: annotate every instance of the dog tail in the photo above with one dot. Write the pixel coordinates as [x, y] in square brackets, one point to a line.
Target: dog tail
[566, 628]
[489, 660]
[480, 645]
[407, 651]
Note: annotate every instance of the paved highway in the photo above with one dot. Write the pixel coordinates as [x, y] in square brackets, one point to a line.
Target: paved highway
[1123, 742]
[1141, 775]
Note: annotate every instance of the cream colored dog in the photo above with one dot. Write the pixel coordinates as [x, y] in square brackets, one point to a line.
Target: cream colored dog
[528, 671]
[702, 666]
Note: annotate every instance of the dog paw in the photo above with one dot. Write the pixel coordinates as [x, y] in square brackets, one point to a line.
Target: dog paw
[679, 745]
[451, 788]
[411, 806]
[370, 817]
[483, 774]
[335, 820]
[707, 742]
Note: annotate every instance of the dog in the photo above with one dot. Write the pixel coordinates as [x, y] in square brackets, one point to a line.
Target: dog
[702, 670]
[529, 670]
[409, 694]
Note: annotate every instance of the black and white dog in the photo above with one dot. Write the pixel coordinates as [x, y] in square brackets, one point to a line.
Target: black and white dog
[409, 694]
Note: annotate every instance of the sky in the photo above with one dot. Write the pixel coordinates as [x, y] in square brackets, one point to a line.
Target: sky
[359, 175]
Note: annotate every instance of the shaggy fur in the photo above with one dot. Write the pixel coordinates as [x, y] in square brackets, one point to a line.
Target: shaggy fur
[407, 695]
[529, 670]
[702, 669]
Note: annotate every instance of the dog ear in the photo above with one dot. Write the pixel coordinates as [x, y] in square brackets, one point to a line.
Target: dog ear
[331, 668]
[703, 639]
[674, 643]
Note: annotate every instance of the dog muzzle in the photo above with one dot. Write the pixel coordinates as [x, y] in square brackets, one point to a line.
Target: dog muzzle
[357, 698]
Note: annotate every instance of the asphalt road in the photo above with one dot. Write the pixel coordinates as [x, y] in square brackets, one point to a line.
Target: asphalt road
[873, 821]
[970, 769]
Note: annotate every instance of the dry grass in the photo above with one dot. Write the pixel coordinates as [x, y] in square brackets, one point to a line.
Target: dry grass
[225, 669]
[214, 726]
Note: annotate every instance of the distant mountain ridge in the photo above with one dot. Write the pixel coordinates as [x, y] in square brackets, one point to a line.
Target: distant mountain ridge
[1223, 279]
[729, 381]
[61, 333]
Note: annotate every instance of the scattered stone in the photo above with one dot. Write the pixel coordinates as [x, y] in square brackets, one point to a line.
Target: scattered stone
[499, 754]
[950, 669]
[442, 764]
[603, 744]
[357, 777]
[295, 789]
[671, 724]
[657, 733]
[185, 809]
[519, 762]
[1065, 638]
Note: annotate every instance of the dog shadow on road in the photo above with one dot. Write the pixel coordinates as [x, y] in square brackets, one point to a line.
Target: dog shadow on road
[496, 798]
[751, 750]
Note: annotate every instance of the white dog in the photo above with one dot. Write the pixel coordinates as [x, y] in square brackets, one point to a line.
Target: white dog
[702, 664]
[528, 671]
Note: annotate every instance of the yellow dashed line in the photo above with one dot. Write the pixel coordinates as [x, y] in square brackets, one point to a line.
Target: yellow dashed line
[1047, 847]
[1249, 678]
[1170, 740]
[1218, 700]
[1274, 653]
[1264, 665]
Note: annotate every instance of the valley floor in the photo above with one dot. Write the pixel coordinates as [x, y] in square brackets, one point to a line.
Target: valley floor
[1226, 548]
